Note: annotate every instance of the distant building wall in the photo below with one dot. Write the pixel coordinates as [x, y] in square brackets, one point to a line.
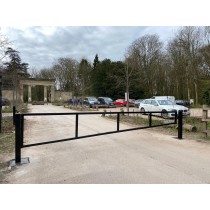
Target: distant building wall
[59, 95]
[41, 82]
[62, 95]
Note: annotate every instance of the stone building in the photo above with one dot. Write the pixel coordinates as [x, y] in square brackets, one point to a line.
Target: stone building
[23, 92]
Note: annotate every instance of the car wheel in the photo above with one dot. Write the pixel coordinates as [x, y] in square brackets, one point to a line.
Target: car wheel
[143, 111]
[164, 114]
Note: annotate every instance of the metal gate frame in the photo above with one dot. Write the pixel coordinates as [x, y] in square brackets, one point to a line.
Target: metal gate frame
[19, 127]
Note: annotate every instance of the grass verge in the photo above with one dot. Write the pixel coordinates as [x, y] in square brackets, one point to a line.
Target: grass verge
[139, 120]
[7, 145]
[80, 108]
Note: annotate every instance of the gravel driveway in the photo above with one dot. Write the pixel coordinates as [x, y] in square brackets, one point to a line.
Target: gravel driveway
[142, 156]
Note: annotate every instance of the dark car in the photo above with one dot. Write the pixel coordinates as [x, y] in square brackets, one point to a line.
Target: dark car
[4, 102]
[91, 102]
[183, 103]
[106, 101]
[137, 102]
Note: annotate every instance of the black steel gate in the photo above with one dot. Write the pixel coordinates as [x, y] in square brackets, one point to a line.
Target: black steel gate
[19, 127]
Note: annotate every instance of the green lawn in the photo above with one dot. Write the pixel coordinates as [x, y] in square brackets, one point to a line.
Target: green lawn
[138, 120]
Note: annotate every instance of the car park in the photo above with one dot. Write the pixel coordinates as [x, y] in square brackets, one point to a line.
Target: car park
[123, 102]
[106, 102]
[132, 102]
[183, 103]
[91, 102]
[137, 102]
[119, 102]
[163, 106]
[171, 98]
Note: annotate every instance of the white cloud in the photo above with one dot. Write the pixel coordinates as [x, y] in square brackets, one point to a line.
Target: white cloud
[40, 46]
[164, 32]
[47, 30]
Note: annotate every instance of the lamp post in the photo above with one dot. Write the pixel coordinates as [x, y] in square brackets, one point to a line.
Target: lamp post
[127, 88]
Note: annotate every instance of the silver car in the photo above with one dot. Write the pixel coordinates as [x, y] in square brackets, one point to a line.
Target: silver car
[137, 102]
[162, 106]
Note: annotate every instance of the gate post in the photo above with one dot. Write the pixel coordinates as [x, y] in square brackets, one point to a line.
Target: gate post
[150, 119]
[21, 129]
[118, 121]
[180, 124]
[14, 112]
[18, 138]
[76, 126]
[176, 115]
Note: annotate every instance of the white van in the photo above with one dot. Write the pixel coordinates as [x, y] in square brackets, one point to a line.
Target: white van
[171, 98]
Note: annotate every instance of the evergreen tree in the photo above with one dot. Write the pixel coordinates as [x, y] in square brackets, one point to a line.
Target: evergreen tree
[95, 62]
[14, 70]
[15, 66]
[84, 74]
[95, 77]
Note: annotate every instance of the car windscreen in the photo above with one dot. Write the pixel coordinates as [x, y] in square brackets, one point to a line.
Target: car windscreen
[165, 102]
[138, 101]
[92, 99]
[108, 99]
[147, 102]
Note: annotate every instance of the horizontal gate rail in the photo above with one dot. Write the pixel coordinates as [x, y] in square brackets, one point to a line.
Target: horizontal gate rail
[19, 127]
[89, 113]
[92, 135]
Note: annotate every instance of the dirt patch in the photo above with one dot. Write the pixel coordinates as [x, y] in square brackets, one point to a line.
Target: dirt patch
[143, 156]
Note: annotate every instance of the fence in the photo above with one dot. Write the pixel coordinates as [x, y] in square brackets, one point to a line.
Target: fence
[19, 127]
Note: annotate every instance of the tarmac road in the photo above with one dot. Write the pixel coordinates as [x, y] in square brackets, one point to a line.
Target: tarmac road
[143, 156]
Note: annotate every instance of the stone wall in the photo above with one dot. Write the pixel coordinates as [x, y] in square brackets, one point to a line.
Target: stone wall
[59, 95]
[62, 95]
[7, 94]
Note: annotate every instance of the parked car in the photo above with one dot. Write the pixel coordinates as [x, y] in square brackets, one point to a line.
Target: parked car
[123, 102]
[4, 102]
[119, 102]
[132, 102]
[163, 106]
[137, 102]
[106, 101]
[171, 98]
[91, 102]
[183, 103]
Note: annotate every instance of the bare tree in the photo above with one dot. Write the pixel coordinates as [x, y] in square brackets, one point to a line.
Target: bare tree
[184, 52]
[84, 76]
[207, 34]
[4, 44]
[146, 54]
[66, 74]
[205, 57]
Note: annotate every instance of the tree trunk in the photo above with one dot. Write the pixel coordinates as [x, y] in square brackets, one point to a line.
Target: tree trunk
[127, 89]
[196, 93]
[177, 89]
[188, 89]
